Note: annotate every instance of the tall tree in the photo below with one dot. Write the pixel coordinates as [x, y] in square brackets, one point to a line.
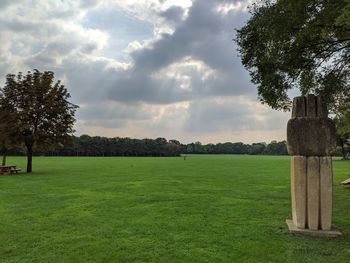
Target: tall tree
[42, 111]
[301, 44]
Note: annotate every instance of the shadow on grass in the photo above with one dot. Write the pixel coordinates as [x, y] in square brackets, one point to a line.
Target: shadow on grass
[25, 174]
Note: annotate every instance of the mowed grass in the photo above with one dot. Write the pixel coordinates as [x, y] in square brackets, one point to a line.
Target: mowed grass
[203, 209]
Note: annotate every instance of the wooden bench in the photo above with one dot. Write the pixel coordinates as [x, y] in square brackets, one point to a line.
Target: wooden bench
[12, 169]
[15, 170]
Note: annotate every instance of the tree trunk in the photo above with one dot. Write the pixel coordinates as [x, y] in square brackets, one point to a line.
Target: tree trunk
[4, 155]
[29, 158]
[29, 142]
[343, 152]
[4, 158]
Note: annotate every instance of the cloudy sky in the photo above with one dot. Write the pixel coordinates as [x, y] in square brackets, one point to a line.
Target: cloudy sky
[143, 68]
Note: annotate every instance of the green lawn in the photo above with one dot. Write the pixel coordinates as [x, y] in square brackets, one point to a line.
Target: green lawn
[204, 209]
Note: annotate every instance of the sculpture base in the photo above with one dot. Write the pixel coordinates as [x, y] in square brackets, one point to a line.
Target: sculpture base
[315, 233]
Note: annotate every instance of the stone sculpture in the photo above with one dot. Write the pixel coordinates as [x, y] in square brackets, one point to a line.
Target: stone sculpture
[310, 141]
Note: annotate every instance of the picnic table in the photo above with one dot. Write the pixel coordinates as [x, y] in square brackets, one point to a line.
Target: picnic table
[11, 169]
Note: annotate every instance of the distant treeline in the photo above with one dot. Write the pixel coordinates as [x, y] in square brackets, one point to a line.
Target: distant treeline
[101, 146]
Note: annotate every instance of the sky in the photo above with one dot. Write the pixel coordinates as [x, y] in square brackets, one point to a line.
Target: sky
[143, 69]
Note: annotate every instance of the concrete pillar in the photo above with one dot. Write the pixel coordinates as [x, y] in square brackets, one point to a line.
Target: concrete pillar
[298, 190]
[313, 192]
[326, 191]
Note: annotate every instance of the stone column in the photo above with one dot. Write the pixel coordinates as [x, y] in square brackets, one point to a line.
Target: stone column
[310, 141]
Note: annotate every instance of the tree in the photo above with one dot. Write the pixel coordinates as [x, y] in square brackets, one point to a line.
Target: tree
[43, 114]
[257, 148]
[301, 44]
[276, 148]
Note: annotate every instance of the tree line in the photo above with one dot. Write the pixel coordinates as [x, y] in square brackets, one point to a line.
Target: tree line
[86, 145]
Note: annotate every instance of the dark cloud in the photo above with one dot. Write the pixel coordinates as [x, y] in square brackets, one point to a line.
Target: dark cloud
[205, 36]
[112, 115]
[173, 14]
[19, 25]
[7, 3]
[89, 3]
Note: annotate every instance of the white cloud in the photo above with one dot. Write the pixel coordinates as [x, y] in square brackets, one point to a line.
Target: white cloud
[184, 73]
[226, 7]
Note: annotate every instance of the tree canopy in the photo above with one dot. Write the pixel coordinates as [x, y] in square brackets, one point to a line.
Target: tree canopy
[301, 44]
[39, 108]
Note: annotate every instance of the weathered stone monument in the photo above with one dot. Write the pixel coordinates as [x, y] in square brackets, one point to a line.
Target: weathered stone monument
[310, 140]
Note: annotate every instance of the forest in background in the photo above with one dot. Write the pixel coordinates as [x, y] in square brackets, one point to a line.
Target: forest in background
[86, 145]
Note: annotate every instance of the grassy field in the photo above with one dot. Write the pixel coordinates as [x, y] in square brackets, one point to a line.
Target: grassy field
[204, 209]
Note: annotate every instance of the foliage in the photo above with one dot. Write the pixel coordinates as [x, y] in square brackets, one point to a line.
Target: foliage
[205, 209]
[43, 115]
[301, 44]
[274, 148]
